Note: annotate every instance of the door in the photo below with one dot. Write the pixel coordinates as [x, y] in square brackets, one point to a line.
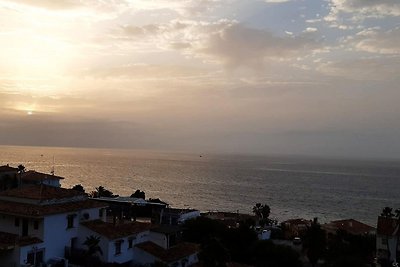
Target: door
[25, 225]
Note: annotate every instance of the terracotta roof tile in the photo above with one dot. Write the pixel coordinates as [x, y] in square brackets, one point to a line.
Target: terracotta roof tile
[38, 211]
[111, 231]
[41, 192]
[8, 240]
[175, 253]
[351, 226]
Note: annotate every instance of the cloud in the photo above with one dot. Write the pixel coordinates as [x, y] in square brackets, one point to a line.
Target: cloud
[360, 9]
[374, 40]
[145, 71]
[186, 8]
[60, 5]
[311, 29]
[276, 1]
[225, 41]
[236, 45]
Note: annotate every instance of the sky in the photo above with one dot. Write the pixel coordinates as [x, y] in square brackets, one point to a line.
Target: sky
[312, 77]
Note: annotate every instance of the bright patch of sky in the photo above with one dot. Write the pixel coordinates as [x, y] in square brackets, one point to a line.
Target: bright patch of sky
[256, 76]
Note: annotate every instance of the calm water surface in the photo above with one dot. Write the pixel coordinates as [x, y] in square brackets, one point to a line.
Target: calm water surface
[292, 186]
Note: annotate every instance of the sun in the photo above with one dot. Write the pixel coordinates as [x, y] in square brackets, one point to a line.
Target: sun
[29, 112]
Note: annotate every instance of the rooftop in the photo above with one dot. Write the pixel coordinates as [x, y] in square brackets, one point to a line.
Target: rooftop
[9, 241]
[127, 200]
[350, 225]
[38, 176]
[41, 192]
[297, 221]
[115, 231]
[175, 253]
[38, 211]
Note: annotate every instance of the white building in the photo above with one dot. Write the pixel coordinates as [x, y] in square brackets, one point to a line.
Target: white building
[38, 222]
[164, 246]
[36, 178]
[117, 241]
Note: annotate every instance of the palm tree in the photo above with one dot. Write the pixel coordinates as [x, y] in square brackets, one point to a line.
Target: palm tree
[315, 242]
[92, 243]
[262, 212]
[21, 169]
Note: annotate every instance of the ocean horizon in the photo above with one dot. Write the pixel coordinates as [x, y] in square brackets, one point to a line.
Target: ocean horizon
[293, 186]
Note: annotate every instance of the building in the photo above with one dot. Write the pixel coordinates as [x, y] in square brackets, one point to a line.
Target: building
[350, 226]
[230, 219]
[117, 241]
[8, 177]
[38, 222]
[295, 227]
[387, 236]
[173, 216]
[36, 178]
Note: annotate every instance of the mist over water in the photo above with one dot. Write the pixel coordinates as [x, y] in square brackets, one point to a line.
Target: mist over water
[292, 186]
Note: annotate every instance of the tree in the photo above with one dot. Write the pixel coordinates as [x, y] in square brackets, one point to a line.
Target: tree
[315, 242]
[21, 170]
[92, 243]
[214, 253]
[78, 187]
[387, 212]
[102, 192]
[265, 253]
[262, 212]
[93, 249]
[139, 194]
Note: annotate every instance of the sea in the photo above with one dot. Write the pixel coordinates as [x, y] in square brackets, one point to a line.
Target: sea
[293, 186]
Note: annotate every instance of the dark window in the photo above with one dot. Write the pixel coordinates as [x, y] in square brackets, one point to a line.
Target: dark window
[16, 223]
[130, 242]
[118, 245]
[36, 225]
[101, 213]
[70, 221]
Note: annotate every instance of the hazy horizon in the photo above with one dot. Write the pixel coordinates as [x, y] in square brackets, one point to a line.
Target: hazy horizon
[291, 77]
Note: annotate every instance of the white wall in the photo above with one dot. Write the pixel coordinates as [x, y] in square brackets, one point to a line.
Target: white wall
[57, 236]
[159, 239]
[7, 224]
[127, 254]
[188, 215]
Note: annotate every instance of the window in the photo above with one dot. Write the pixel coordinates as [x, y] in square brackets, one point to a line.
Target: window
[130, 242]
[101, 213]
[16, 222]
[70, 221]
[36, 225]
[118, 245]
